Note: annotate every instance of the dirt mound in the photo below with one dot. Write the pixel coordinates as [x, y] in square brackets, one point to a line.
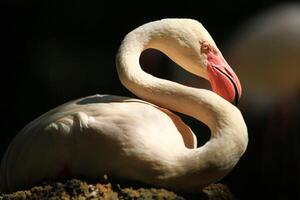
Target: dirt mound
[82, 190]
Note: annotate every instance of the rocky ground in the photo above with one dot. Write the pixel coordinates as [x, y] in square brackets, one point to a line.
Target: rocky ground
[108, 190]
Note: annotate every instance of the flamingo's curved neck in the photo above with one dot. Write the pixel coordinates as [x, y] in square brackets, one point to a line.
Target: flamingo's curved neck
[228, 130]
[201, 104]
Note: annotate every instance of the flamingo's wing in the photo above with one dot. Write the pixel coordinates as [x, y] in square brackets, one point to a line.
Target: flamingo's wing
[187, 134]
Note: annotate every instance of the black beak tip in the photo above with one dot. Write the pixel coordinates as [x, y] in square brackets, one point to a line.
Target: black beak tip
[235, 101]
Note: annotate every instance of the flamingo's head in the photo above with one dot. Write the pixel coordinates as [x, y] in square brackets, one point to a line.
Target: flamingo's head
[222, 78]
[196, 51]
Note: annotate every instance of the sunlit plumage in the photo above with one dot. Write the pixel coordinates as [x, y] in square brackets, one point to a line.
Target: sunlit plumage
[140, 139]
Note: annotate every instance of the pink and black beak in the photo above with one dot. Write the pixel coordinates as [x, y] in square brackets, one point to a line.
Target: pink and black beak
[222, 78]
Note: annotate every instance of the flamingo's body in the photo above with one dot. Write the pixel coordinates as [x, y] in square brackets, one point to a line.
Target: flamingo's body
[134, 139]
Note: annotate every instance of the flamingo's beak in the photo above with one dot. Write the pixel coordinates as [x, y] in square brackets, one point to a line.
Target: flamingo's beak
[222, 78]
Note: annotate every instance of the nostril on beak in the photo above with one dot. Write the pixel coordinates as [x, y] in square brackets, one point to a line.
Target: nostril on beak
[228, 72]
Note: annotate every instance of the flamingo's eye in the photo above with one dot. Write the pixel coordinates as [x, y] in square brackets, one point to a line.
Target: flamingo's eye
[207, 48]
[204, 47]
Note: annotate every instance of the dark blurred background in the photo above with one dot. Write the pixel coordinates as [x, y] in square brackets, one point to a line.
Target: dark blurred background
[55, 51]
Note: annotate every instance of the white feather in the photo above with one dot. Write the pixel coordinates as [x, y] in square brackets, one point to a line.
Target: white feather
[130, 138]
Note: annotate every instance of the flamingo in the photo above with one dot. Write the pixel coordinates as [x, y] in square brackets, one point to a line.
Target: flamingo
[140, 139]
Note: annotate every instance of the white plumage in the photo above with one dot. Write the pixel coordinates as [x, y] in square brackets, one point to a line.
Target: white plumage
[135, 139]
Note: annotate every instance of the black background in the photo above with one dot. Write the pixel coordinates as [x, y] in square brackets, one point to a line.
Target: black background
[55, 51]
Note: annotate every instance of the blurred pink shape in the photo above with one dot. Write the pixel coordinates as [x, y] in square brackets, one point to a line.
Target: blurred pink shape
[266, 54]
